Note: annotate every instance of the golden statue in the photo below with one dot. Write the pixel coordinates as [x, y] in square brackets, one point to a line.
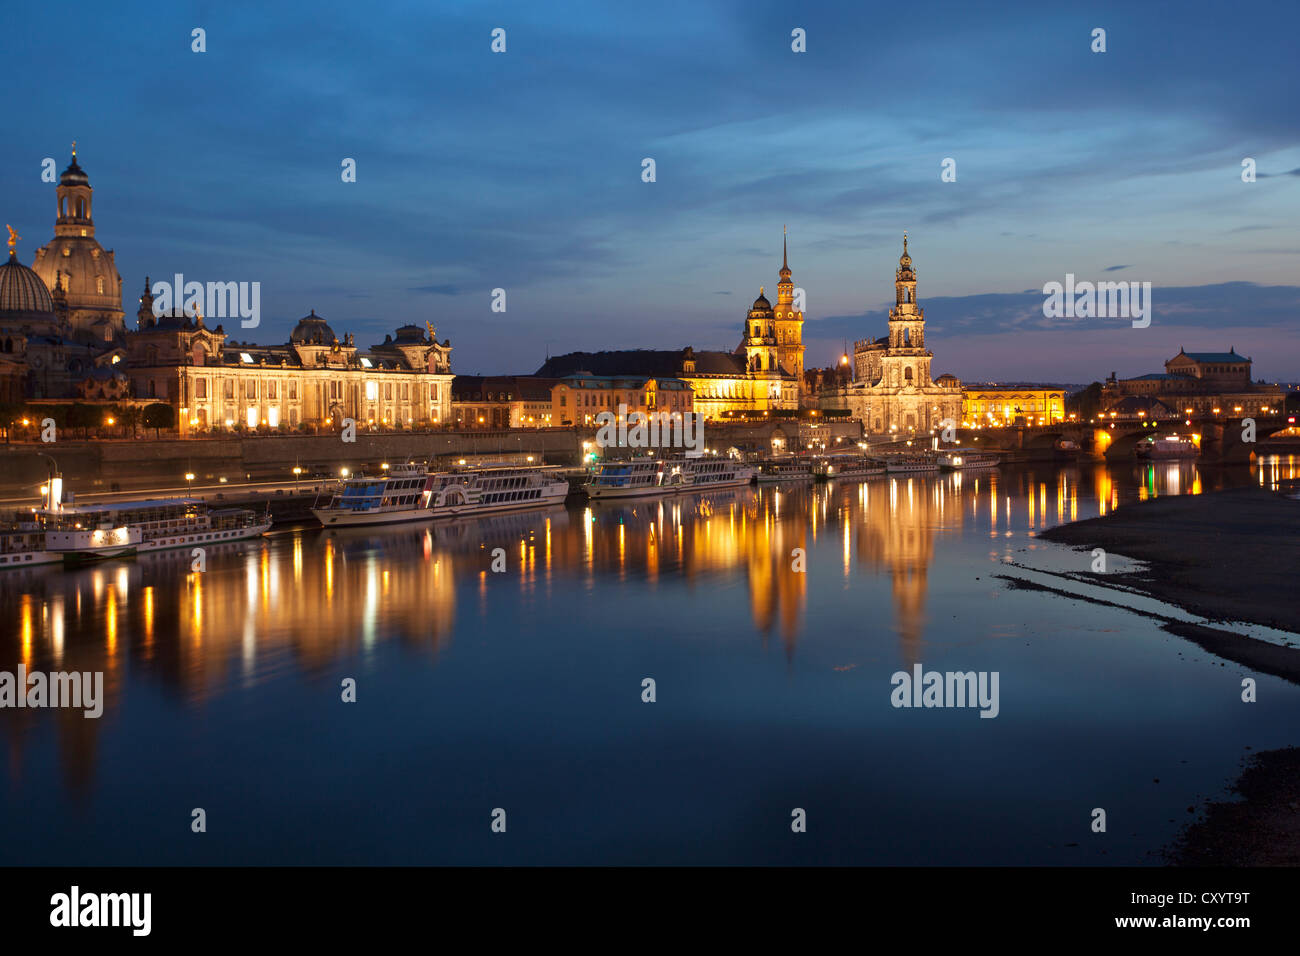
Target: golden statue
[433, 335]
[13, 237]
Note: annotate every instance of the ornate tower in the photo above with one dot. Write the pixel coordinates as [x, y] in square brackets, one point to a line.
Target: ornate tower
[907, 361]
[789, 322]
[91, 280]
[760, 336]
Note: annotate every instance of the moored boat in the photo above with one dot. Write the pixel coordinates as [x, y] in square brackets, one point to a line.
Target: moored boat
[909, 463]
[495, 488]
[784, 469]
[962, 459]
[1172, 446]
[87, 533]
[848, 467]
[703, 474]
[634, 478]
[400, 494]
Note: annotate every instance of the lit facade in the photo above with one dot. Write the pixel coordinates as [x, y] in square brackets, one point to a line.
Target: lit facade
[764, 373]
[313, 381]
[892, 391]
[1198, 383]
[994, 405]
[502, 401]
[579, 399]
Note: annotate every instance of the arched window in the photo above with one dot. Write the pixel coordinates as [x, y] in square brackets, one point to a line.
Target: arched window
[99, 284]
[907, 374]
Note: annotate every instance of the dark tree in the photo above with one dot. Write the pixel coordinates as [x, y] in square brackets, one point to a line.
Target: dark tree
[158, 416]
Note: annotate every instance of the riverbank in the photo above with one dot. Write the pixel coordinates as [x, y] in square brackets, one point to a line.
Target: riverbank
[1261, 829]
[1229, 555]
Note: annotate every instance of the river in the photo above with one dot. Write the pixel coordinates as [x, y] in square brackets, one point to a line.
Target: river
[522, 690]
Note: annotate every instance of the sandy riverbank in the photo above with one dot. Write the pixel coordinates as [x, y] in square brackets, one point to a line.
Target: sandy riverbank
[1228, 556]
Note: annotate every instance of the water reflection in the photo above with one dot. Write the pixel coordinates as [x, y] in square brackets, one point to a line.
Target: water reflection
[301, 601]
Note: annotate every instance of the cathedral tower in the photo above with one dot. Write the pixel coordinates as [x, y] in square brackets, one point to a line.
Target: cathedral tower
[788, 323]
[906, 361]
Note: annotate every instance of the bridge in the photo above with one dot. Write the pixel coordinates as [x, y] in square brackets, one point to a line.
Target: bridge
[1219, 438]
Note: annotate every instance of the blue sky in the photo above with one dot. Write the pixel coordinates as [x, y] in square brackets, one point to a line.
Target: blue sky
[522, 170]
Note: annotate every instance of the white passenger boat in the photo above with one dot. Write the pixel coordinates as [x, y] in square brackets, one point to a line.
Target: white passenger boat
[784, 469]
[634, 478]
[85, 533]
[911, 463]
[962, 459]
[848, 467]
[400, 494]
[706, 473]
[495, 488]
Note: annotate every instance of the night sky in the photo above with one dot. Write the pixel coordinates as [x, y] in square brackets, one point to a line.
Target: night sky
[522, 170]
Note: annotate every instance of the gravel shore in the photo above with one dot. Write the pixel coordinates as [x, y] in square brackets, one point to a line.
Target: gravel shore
[1228, 556]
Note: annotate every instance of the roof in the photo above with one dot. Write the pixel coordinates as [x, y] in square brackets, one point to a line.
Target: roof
[22, 290]
[519, 387]
[656, 363]
[115, 506]
[1228, 356]
[1141, 403]
[624, 381]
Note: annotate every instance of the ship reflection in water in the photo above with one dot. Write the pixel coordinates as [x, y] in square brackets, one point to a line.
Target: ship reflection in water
[882, 566]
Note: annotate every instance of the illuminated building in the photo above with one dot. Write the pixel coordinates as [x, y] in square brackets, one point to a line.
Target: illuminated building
[313, 380]
[891, 390]
[764, 373]
[1008, 405]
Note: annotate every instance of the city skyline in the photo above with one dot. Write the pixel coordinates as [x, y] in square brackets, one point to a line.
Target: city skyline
[495, 187]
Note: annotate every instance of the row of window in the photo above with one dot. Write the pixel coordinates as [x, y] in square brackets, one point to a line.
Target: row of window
[270, 389]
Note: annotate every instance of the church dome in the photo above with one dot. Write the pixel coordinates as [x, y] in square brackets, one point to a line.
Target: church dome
[74, 175]
[312, 330]
[22, 290]
[761, 304]
[90, 274]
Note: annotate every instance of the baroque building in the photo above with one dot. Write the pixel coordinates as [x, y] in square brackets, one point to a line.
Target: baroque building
[1008, 404]
[764, 373]
[892, 390]
[39, 358]
[312, 381]
[1197, 383]
[62, 337]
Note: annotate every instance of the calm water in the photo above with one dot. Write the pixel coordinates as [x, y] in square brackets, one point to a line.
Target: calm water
[522, 690]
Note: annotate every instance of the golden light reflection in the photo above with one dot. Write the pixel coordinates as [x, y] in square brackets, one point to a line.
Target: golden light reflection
[352, 592]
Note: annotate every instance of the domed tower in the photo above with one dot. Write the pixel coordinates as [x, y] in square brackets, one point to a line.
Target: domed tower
[760, 336]
[90, 277]
[789, 322]
[34, 359]
[906, 361]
